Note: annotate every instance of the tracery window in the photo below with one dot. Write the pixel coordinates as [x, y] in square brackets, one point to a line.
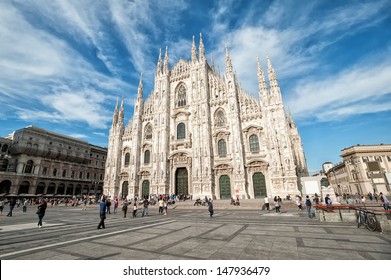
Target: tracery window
[181, 101]
[147, 157]
[254, 143]
[220, 119]
[181, 131]
[222, 148]
[148, 132]
[127, 159]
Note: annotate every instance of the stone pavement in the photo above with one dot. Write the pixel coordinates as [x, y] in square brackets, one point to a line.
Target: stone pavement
[187, 233]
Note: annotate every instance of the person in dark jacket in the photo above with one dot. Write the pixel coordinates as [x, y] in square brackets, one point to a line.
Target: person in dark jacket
[210, 208]
[102, 213]
[41, 211]
[12, 204]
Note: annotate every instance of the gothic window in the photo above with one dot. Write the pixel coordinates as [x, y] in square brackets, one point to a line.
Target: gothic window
[181, 101]
[148, 132]
[147, 157]
[127, 159]
[181, 131]
[254, 143]
[222, 148]
[29, 166]
[220, 119]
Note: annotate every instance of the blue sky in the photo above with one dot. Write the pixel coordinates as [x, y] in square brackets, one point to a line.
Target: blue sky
[63, 63]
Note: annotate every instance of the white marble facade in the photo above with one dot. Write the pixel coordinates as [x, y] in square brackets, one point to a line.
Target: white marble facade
[199, 133]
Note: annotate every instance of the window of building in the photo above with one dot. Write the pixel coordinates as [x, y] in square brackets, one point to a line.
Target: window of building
[29, 167]
[220, 119]
[55, 172]
[88, 175]
[254, 143]
[377, 158]
[81, 175]
[127, 159]
[181, 131]
[222, 148]
[64, 173]
[181, 101]
[148, 132]
[147, 155]
[365, 159]
[73, 174]
[44, 171]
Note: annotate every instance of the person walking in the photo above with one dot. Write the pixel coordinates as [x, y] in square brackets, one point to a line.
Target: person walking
[165, 207]
[266, 205]
[115, 205]
[135, 210]
[12, 205]
[102, 213]
[298, 203]
[1, 207]
[277, 206]
[145, 208]
[41, 211]
[108, 205]
[210, 208]
[25, 201]
[125, 207]
[161, 205]
[385, 201]
[308, 204]
[85, 202]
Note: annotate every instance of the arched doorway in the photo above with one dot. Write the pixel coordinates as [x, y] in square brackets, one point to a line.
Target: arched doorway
[259, 185]
[125, 189]
[181, 181]
[51, 188]
[78, 189]
[24, 187]
[225, 187]
[61, 189]
[70, 189]
[5, 186]
[145, 189]
[40, 188]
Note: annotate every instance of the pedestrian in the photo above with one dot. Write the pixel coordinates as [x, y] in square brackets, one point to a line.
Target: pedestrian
[84, 204]
[115, 205]
[25, 205]
[12, 204]
[108, 205]
[267, 204]
[308, 204]
[316, 199]
[328, 201]
[145, 208]
[1, 207]
[210, 207]
[385, 201]
[165, 207]
[161, 205]
[41, 211]
[125, 207]
[298, 203]
[102, 213]
[277, 206]
[134, 210]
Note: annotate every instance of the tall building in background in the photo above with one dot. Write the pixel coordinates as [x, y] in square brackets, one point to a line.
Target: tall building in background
[199, 133]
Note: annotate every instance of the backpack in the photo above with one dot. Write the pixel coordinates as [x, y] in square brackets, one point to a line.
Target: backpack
[308, 202]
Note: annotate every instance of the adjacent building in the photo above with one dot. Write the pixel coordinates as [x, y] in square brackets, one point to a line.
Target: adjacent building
[37, 161]
[365, 168]
[199, 133]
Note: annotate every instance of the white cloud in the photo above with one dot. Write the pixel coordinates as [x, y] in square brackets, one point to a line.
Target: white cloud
[353, 91]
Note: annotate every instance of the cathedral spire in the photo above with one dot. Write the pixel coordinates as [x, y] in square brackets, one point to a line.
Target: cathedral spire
[263, 95]
[115, 115]
[212, 63]
[140, 88]
[159, 69]
[228, 63]
[121, 112]
[193, 52]
[165, 69]
[202, 50]
[271, 73]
